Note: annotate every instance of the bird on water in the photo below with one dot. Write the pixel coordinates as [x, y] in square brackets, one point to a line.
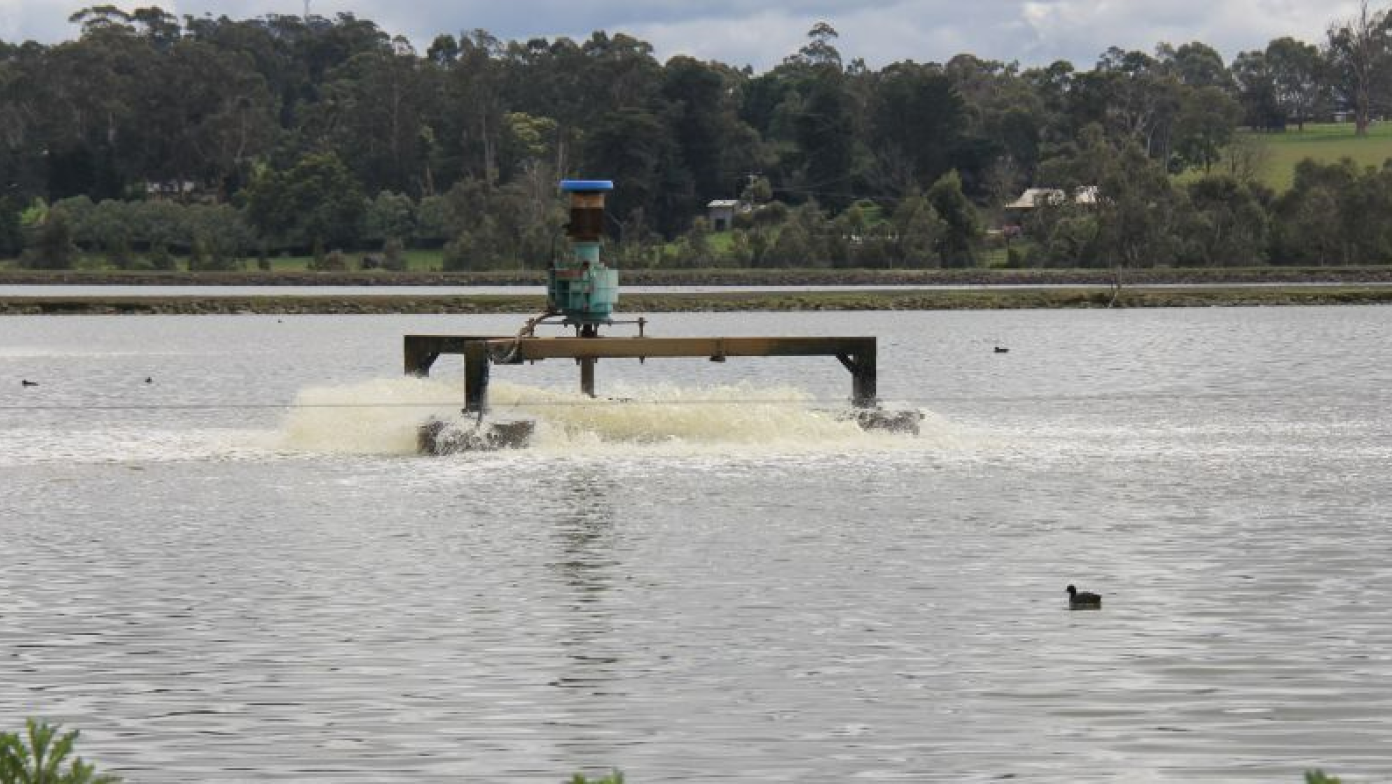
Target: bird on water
[24, 382]
[1083, 600]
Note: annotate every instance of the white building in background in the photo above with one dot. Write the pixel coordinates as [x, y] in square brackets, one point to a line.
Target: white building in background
[721, 213]
[1039, 197]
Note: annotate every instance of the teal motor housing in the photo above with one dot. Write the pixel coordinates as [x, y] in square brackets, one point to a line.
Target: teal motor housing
[580, 285]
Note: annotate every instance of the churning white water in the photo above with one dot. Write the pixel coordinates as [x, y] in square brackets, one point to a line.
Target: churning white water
[381, 417]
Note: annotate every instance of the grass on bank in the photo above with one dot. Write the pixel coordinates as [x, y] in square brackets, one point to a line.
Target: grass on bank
[1322, 142]
[417, 260]
[41, 755]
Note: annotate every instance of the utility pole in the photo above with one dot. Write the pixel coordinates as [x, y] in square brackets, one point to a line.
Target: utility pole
[306, 12]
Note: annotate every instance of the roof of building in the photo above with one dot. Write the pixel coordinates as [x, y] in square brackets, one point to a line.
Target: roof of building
[1034, 197]
[727, 204]
[587, 186]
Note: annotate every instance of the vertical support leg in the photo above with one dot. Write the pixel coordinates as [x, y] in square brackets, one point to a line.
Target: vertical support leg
[587, 377]
[863, 376]
[419, 356]
[864, 392]
[475, 377]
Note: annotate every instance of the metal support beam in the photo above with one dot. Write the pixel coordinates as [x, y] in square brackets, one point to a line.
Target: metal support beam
[529, 349]
[856, 354]
[421, 351]
[863, 378]
[419, 354]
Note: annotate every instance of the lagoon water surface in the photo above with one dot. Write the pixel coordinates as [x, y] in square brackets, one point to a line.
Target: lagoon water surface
[238, 571]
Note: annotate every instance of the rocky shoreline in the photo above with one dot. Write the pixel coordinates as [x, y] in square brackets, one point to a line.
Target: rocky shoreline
[722, 277]
[974, 299]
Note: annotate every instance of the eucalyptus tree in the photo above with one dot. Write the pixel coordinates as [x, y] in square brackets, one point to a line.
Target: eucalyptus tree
[1204, 126]
[272, 45]
[371, 114]
[1298, 77]
[84, 97]
[1195, 64]
[1226, 224]
[315, 203]
[816, 119]
[804, 111]
[22, 137]
[474, 96]
[717, 148]
[205, 115]
[635, 146]
[959, 243]
[918, 232]
[620, 72]
[1141, 98]
[997, 142]
[917, 118]
[1257, 92]
[1357, 51]
[1334, 213]
[1134, 220]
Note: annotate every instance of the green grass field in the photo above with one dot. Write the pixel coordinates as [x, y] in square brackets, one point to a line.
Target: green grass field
[1326, 143]
[416, 261]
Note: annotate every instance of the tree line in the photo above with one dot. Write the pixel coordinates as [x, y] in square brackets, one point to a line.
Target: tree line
[152, 136]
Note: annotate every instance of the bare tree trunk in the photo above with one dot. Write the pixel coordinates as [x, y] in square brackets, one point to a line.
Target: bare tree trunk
[1362, 43]
[489, 167]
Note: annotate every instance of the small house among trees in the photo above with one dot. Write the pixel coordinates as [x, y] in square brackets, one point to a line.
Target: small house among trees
[1017, 212]
[721, 213]
[1038, 197]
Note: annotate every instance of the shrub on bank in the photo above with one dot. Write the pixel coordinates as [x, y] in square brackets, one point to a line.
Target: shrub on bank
[40, 756]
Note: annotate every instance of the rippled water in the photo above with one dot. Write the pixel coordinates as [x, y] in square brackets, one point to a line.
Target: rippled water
[215, 587]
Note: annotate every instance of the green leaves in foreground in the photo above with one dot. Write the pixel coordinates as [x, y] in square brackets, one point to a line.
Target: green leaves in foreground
[1318, 777]
[37, 758]
[613, 778]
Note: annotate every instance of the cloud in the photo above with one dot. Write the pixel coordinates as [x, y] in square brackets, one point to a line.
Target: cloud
[763, 32]
[22, 19]
[1075, 27]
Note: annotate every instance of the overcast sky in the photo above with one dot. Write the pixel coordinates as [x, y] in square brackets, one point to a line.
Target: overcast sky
[762, 32]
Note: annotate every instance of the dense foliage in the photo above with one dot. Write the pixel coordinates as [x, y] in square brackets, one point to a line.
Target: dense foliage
[151, 139]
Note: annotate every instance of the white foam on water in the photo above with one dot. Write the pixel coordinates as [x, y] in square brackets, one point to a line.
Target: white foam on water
[382, 416]
[376, 417]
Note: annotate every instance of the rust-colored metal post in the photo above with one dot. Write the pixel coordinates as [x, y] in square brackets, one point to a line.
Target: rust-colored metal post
[587, 377]
[864, 393]
[476, 377]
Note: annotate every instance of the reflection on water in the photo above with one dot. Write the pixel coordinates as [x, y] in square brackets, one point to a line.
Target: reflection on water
[588, 565]
[716, 581]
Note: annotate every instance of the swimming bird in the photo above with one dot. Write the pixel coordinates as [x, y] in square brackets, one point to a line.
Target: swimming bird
[1083, 600]
[149, 380]
[1002, 350]
[24, 382]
